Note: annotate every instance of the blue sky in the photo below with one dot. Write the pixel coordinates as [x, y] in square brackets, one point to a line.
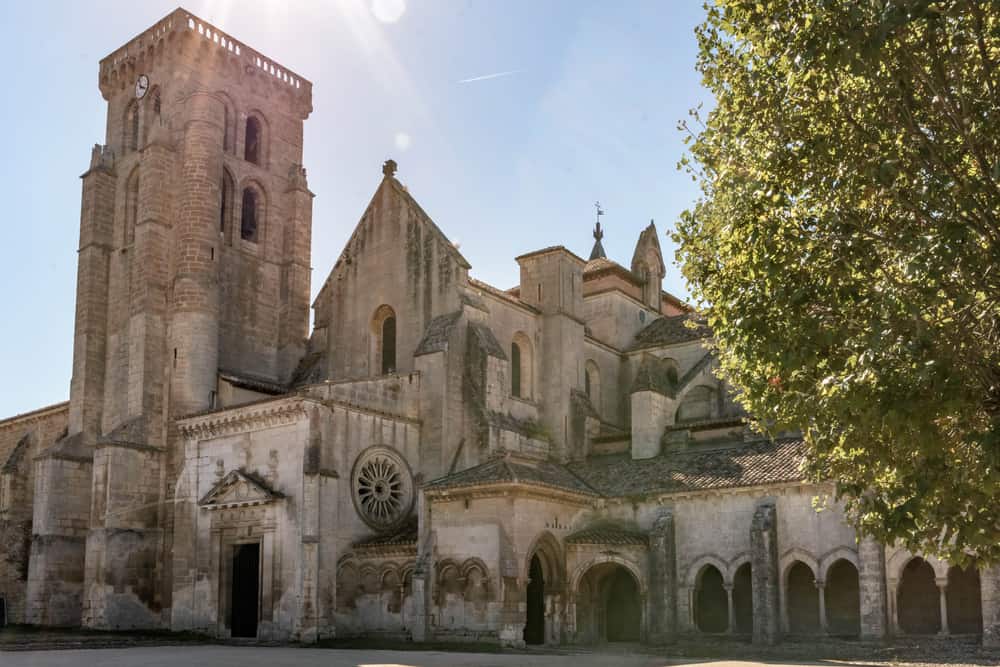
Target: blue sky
[587, 111]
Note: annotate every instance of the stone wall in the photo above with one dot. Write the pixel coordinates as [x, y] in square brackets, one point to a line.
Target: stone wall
[21, 439]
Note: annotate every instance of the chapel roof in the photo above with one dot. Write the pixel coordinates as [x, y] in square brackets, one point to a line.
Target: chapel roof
[510, 469]
[607, 534]
[753, 464]
[619, 475]
[671, 330]
[403, 536]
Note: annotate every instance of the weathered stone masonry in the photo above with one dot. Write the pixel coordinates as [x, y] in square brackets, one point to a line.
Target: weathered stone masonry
[439, 460]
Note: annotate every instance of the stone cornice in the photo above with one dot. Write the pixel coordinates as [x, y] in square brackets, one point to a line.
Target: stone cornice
[667, 499]
[354, 407]
[509, 489]
[34, 415]
[244, 418]
[385, 550]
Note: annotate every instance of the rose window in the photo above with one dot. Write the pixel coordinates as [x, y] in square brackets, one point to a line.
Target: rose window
[383, 489]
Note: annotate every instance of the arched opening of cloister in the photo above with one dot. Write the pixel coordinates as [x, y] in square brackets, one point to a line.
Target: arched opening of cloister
[843, 599]
[802, 599]
[918, 605]
[743, 599]
[965, 604]
[711, 602]
[609, 605]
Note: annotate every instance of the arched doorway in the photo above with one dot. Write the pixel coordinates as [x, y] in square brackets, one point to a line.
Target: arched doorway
[534, 626]
[743, 599]
[711, 604]
[843, 599]
[802, 599]
[622, 606]
[965, 603]
[609, 605]
[918, 603]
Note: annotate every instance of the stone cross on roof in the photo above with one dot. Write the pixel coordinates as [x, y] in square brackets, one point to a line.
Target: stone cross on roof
[389, 168]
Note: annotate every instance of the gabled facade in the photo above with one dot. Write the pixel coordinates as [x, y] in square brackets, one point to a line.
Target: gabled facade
[440, 459]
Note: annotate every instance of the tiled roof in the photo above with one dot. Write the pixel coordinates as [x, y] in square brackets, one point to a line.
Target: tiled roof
[436, 334]
[510, 470]
[486, 340]
[607, 534]
[405, 535]
[671, 330]
[253, 383]
[758, 463]
[513, 295]
[603, 264]
[753, 464]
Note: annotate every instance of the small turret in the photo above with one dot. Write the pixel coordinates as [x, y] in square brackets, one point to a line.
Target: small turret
[647, 265]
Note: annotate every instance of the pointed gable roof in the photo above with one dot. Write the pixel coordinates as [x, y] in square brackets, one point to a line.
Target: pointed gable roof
[239, 488]
[395, 190]
[647, 242]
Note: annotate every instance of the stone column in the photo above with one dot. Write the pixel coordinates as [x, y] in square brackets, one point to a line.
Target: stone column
[989, 582]
[764, 564]
[662, 626]
[732, 610]
[872, 581]
[423, 574]
[942, 585]
[821, 589]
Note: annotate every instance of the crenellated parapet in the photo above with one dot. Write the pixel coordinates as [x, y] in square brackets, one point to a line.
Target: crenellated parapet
[120, 68]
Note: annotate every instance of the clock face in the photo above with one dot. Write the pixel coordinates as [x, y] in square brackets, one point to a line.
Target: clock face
[141, 86]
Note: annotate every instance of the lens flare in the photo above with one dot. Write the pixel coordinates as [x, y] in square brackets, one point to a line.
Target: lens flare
[388, 11]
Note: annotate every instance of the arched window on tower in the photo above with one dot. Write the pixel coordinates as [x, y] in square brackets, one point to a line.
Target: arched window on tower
[520, 366]
[130, 140]
[131, 209]
[253, 140]
[250, 218]
[226, 203]
[384, 339]
[151, 112]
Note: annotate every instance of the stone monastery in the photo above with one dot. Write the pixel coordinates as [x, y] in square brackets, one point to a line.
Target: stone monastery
[438, 459]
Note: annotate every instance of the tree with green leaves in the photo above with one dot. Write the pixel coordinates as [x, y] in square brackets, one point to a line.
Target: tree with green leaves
[846, 248]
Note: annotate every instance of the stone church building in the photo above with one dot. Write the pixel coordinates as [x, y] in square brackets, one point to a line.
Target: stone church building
[437, 459]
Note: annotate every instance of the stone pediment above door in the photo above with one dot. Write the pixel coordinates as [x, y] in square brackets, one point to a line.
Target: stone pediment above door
[239, 489]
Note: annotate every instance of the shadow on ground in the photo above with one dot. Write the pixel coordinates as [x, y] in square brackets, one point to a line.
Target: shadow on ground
[815, 650]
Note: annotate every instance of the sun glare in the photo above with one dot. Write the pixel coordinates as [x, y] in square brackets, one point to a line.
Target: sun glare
[388, 11]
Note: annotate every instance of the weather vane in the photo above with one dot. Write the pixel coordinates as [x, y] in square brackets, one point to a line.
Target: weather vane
[598, 234]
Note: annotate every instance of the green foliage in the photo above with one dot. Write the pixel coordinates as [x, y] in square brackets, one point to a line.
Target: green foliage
[846, 248]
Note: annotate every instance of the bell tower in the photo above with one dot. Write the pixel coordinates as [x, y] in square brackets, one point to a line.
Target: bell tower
[194, 259]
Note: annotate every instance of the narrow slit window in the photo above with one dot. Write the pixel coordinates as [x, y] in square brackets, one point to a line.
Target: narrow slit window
[389, 345]
[248, 221]
[252, 147]
[226, 203]
[515, 370]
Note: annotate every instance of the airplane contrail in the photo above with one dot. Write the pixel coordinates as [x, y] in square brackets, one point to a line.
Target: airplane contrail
[495, 75]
